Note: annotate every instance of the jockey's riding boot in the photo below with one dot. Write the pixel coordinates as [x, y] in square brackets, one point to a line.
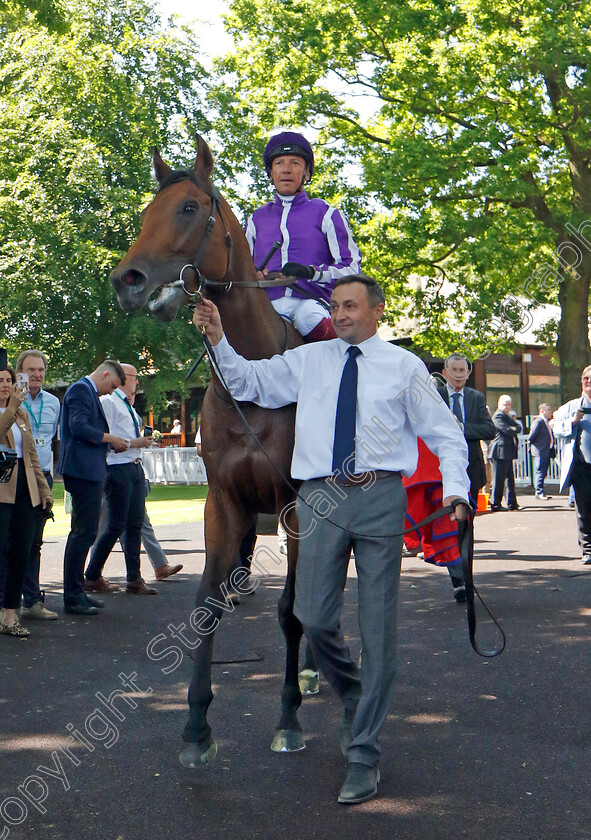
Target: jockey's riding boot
[323, 331]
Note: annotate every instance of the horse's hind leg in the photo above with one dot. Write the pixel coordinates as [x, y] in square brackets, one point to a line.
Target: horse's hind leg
[224, 531]
[288, 734]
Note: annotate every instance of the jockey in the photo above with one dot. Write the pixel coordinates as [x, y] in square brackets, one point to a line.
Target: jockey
[317, 246]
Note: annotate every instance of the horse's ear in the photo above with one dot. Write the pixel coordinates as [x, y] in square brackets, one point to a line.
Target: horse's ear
[204, 161]
[161, 169]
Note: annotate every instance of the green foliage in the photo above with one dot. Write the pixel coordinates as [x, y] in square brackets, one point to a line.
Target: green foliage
[79, 113]
[470, 123]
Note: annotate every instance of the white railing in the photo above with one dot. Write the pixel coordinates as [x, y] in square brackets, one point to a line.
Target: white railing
[174, 465]
[182, 465]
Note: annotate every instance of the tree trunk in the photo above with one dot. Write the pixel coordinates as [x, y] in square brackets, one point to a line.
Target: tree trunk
[572, 346]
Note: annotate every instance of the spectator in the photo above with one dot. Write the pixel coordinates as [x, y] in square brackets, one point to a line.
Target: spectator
[572, 421]
[44, 412]
[541, 442]
[26, 490]
[359, 362]
[125, 492]
[469, 409]
[503, 452]
[176, 427]
[85, 438]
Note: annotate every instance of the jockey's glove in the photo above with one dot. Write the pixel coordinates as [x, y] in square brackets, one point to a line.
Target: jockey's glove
[294, 269]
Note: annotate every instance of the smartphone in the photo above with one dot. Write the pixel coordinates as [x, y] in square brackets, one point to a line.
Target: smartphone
[148, 431]
[22, 381]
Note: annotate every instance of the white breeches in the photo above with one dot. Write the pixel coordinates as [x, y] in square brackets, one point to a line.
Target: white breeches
[304, 314]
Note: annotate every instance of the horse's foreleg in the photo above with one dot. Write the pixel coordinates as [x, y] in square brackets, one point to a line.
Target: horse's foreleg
[223, 535]
[288, 734]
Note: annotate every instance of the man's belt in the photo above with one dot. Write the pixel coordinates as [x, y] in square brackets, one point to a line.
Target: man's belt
[359, 479]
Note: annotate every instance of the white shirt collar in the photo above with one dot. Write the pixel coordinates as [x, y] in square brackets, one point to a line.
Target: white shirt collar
[366, 346]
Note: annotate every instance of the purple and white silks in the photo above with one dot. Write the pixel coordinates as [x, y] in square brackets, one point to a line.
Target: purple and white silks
[311, 232]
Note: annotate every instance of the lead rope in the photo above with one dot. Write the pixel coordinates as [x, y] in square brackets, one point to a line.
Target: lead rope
[465, 527]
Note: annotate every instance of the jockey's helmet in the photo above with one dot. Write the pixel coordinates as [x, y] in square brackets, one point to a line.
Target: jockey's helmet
[288, 143]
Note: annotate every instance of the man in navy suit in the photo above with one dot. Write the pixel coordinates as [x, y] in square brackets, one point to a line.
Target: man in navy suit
[573, 422]
[84, 441]
[541, 444]
[469, 409]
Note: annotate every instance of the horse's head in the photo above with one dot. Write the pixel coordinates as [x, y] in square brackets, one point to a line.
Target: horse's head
[174, 225]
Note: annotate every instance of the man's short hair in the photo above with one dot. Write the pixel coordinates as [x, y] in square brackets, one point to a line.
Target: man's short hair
[38, 354]
[503, 398]
[456, 357]
[114, 367]
[375, 293]
[542, 406]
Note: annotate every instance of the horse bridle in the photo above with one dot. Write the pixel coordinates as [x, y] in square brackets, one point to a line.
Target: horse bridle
[202, 281]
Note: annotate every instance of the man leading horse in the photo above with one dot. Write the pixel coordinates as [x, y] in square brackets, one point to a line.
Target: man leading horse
[351, 392]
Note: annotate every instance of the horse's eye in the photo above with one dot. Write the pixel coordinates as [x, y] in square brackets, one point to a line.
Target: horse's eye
[190, 208]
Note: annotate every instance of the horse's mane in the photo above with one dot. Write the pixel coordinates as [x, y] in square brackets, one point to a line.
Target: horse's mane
[186, 175]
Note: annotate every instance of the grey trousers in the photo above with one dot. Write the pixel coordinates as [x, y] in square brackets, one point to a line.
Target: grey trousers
[324, 553]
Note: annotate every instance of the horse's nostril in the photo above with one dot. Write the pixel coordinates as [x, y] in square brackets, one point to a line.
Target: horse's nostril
[132, 277]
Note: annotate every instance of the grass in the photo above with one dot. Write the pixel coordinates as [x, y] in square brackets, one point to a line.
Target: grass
[167, 504]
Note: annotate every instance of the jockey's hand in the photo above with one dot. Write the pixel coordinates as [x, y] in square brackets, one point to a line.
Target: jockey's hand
[461, 511]
[294, 269]
[265, 274]
[206, 315]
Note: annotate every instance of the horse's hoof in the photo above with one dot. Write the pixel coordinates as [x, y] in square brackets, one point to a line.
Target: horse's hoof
[288, 740]
[309, 682]
[192, 755]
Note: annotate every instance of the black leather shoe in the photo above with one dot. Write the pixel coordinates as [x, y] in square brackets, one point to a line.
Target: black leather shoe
[515, 507]
[95, 602]
[80, 609]
[460, 593]
[360, 785]
[498, 507]
[586, 559]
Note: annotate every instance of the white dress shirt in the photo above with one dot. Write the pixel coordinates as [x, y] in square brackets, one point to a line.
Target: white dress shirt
[119, 418]
[397, 402]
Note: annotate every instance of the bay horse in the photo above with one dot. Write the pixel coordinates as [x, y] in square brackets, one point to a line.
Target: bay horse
[190, 240]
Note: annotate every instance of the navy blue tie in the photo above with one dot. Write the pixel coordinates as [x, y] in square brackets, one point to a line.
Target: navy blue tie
[456, 408]
[344, 427]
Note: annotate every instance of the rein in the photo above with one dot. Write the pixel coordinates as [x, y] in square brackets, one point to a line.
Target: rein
[465, 527]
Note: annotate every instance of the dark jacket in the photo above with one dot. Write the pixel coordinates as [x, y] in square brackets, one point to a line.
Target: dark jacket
[83, 424]
[477, 426]
[504, 447]
[539, 437]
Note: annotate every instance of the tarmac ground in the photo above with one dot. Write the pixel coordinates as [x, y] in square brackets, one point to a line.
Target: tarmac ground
[93, 708]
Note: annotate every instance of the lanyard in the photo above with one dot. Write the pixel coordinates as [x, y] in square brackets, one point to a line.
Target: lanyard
[36, 420]
[130, 409]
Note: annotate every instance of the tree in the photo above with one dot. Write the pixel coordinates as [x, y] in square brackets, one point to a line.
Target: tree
[475, 152]
[79, 112]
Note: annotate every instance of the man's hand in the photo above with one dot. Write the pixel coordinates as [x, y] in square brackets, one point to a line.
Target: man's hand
[141, 442]
[119, 444]
[579, 414]
[207, 315]
[461, 511]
